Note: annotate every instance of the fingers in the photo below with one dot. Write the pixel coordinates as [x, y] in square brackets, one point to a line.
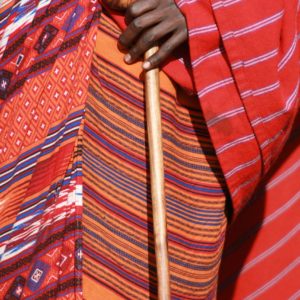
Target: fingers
[137, 26]
[165, 50]
[138, 8]
[151, 22]
[147, 40]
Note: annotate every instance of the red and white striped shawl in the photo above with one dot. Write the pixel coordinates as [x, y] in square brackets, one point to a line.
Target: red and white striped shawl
[245, 63]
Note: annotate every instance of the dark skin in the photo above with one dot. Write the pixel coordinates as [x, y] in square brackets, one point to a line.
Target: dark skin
[153, 22]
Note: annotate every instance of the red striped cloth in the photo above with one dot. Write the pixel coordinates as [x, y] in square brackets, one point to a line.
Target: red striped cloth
[261, 258]
[245, 60]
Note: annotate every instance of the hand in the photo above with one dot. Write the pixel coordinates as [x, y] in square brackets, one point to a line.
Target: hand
[152, 22]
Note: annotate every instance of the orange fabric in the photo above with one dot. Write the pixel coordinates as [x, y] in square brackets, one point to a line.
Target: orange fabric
[117, 218]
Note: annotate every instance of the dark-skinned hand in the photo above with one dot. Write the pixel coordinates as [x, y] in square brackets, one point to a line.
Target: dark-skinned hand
[153, 22]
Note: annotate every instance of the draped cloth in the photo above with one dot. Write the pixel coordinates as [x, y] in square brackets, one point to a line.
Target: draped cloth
[245, 64]
[119, 261]
[75, 209]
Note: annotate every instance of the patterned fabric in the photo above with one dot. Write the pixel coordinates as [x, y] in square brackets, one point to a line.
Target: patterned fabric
[119, 259]
[73, 171]
[46, 49]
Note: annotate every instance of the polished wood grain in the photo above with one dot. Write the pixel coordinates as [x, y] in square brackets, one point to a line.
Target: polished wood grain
[153, 113]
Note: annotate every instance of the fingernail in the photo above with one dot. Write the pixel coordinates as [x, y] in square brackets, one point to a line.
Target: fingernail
[127, 58]
[146, 65]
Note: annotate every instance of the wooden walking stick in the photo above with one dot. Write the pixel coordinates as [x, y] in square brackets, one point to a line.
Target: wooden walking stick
[153, 116]
[154, 126]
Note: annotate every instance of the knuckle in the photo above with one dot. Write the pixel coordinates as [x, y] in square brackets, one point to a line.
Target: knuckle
[182, 35]
[166, 50]
[155, 60]
[122, 40]
[185, 32]
[131, 11]
[134, 52]
[137, 25]
[149, 38]
[134, 9]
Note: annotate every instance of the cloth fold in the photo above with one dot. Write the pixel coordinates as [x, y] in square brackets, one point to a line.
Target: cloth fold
[245, 61]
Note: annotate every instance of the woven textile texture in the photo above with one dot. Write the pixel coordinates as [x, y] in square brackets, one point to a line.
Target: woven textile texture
[75, 209]
[117, 220]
